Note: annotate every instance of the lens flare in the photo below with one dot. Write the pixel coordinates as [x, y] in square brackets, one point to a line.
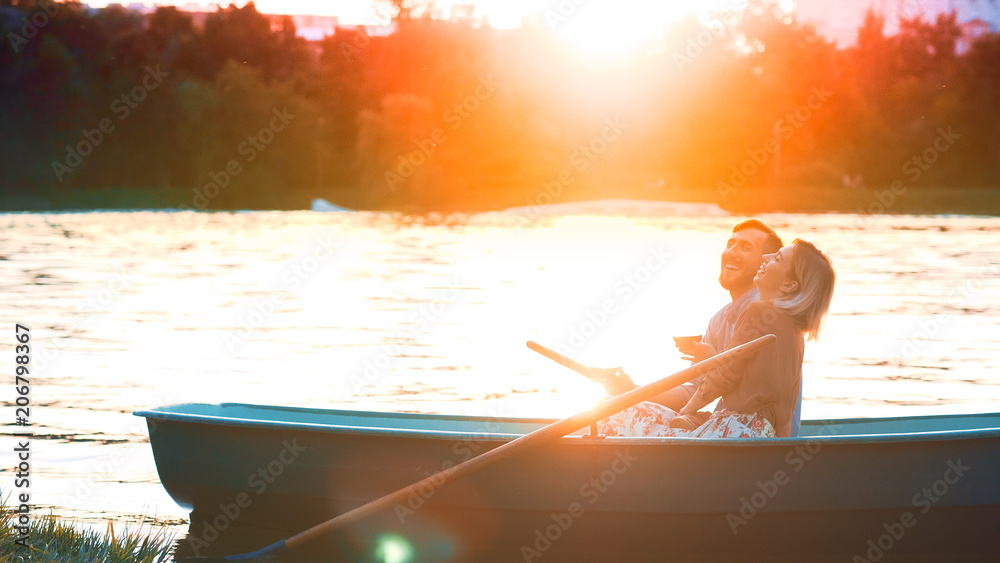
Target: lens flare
[393, 548]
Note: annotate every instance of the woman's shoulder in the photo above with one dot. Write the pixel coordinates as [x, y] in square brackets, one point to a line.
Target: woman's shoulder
[758, 308]
[764, 306]
[766, 316]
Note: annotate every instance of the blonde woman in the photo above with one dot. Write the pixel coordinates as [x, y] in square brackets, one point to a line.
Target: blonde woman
[760, 392]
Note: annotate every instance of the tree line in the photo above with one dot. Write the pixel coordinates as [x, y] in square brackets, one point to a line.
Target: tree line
[238, 111]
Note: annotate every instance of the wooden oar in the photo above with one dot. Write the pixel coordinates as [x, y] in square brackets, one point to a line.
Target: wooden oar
[571, 364]
[614, 380]
[552, 431]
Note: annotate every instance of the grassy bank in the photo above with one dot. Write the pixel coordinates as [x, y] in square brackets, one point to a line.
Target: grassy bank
[916, 200]
[51, 540]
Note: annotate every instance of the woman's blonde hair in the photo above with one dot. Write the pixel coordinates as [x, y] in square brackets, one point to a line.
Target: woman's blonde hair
[814, 272]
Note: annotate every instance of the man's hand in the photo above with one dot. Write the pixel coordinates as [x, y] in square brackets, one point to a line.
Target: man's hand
[614, 380]
[696, 351]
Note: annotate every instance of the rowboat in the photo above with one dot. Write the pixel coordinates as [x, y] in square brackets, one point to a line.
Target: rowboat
[859, 489]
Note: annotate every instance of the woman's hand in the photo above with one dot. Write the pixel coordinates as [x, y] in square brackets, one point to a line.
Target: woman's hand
[691, 416]
[695, 404]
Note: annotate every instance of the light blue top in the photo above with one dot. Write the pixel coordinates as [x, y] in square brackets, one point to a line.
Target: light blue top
[722, 327]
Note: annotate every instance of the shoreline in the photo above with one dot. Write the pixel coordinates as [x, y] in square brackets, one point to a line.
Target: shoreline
[913, 201]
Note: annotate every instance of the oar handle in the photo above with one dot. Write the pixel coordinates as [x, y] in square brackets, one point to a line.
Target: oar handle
[559, 358]
[551, 431]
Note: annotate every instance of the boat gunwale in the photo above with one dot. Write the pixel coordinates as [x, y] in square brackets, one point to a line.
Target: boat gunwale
[936, 435]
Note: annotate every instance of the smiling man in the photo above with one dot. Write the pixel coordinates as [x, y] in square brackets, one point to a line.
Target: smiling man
[741, 259]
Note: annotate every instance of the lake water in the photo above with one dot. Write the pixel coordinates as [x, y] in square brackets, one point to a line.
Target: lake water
[430, 314]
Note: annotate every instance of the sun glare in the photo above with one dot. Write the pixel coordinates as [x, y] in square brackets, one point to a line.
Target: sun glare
[609, 27]
[606, 27]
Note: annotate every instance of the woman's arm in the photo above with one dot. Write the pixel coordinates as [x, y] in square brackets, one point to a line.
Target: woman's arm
[754, 323]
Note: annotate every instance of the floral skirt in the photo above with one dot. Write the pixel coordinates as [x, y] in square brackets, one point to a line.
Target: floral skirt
[653, 419]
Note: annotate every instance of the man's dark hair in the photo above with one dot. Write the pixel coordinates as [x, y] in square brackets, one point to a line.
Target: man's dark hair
[773, 242]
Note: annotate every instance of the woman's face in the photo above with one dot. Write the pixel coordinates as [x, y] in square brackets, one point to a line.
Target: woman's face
[775, 278]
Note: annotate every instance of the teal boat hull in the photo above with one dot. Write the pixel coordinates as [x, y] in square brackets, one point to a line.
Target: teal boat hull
[845, 488]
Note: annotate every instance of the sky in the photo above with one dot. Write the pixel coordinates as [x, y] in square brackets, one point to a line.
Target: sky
[609, 25]
[601, 25]
[500, 13]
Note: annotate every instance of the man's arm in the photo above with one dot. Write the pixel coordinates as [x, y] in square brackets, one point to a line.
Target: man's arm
[616, 383]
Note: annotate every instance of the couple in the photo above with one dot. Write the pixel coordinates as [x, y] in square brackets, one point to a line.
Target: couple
[780, 290]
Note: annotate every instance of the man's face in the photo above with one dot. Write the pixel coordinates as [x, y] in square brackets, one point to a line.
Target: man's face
[741, 259]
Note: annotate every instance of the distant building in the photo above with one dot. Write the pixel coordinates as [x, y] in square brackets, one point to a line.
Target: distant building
[971, 30]
[313, 28]
[309, 27]
[371, 30]
[840, 20]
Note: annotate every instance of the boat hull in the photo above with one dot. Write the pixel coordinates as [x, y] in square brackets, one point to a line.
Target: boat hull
[831, 494]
